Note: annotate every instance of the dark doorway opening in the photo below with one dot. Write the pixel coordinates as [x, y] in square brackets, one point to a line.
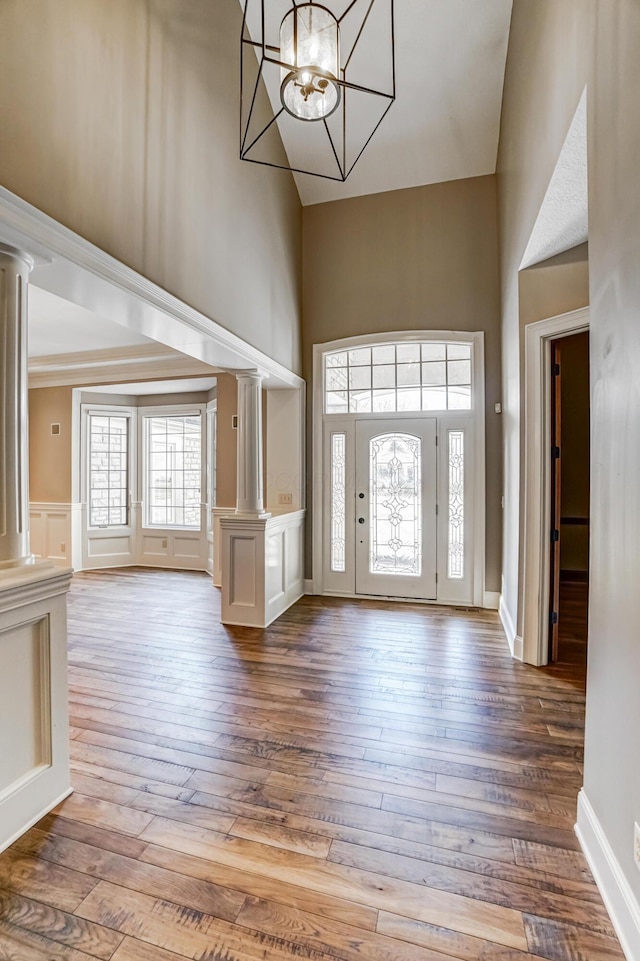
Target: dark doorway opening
[569, 536]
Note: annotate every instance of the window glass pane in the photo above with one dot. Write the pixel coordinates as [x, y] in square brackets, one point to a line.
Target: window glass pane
[433, 351]
[434, 398]
[338, 500]
[337, 402]
[395, 490]
[408, 398]
[459, 398]
[434, 374]
[337, 359]
[458, 351]
[384, 355]
[108, 437]
[384, 400]
[459, 372]
[174, 472]
[408, 353]
[455, 547]
[384, 376]
[359, 401]
[408, 375]
[337, 379]
[359, 378]
[360, 358]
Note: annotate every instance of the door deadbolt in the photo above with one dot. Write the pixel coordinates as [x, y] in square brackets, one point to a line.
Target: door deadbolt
[360, 496]
[361, 520]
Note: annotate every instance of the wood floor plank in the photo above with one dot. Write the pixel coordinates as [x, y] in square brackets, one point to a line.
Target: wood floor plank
[155, 881]
[58, 926]
[500, 924]
[190, 933]
[362, 781]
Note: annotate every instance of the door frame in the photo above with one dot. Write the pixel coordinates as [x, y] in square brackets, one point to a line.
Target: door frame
[536, 572]
[476, 338]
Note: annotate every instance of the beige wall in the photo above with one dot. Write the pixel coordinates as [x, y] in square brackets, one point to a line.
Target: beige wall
[555, 49]
[50, 454]
[423, 258]
[120, 120]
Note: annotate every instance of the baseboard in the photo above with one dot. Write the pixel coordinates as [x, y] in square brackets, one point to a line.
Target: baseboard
[492, 600]
[514, 641]
[7, 842]
[616, 892]
[308, 587]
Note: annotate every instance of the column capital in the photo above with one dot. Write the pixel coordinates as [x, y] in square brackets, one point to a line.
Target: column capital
[16, 256]
[255, 376]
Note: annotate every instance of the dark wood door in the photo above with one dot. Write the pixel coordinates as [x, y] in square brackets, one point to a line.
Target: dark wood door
[556, 497]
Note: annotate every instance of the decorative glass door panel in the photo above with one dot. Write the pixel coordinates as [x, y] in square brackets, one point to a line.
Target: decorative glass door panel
[396, 507]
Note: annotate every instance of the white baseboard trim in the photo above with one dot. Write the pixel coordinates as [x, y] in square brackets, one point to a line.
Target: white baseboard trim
[491, 600]
[308, 586]
[619, 899]
[7, 842]
[515, 642]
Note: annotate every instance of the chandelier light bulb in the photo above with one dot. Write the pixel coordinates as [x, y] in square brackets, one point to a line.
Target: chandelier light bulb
[309, 46]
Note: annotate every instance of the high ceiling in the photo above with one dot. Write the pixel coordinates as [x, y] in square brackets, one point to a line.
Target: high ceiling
[444, 124]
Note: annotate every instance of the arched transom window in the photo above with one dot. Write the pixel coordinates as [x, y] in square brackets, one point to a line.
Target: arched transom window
[388, 378]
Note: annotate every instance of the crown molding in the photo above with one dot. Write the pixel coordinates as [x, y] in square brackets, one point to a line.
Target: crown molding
[29, 229]
[113, 365]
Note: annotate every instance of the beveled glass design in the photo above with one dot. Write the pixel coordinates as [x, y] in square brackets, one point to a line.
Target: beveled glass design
[395, 493]
[173, 471]
[455, 547]
[108, 470]
[395, 378]
[338, 502]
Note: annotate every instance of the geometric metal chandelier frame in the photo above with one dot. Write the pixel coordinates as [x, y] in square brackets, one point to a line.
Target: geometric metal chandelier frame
[301, 61]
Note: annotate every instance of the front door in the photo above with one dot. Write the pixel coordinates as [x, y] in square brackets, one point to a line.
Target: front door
[396, 507]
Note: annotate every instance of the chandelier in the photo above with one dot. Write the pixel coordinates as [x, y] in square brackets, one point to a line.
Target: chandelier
[316, 83]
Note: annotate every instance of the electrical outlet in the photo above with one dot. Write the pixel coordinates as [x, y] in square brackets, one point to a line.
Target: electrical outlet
[63, 548]
[636, 844]
[164, 543]
[285, 499]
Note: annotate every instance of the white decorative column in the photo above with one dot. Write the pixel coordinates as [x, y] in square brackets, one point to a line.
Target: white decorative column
[249, 500]
[15, 267]
[261, 555]
[34, 753]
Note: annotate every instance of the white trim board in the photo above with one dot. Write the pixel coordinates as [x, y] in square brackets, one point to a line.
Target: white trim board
[537, 493]
[616, 892]
[73, 268]
[514, 642]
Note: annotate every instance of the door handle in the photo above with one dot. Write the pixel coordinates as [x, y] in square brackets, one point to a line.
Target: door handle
[361, 520]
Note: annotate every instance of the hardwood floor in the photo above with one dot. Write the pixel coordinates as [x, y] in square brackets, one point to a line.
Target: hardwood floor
[362, 781]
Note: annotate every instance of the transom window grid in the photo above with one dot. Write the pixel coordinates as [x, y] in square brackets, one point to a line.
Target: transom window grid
[390, 378]
[108, 470]
[173, 470]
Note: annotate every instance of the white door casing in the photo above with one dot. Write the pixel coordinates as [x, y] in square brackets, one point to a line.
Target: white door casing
[334, 484]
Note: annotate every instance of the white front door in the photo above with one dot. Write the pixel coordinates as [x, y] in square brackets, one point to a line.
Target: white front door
[395, 507]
